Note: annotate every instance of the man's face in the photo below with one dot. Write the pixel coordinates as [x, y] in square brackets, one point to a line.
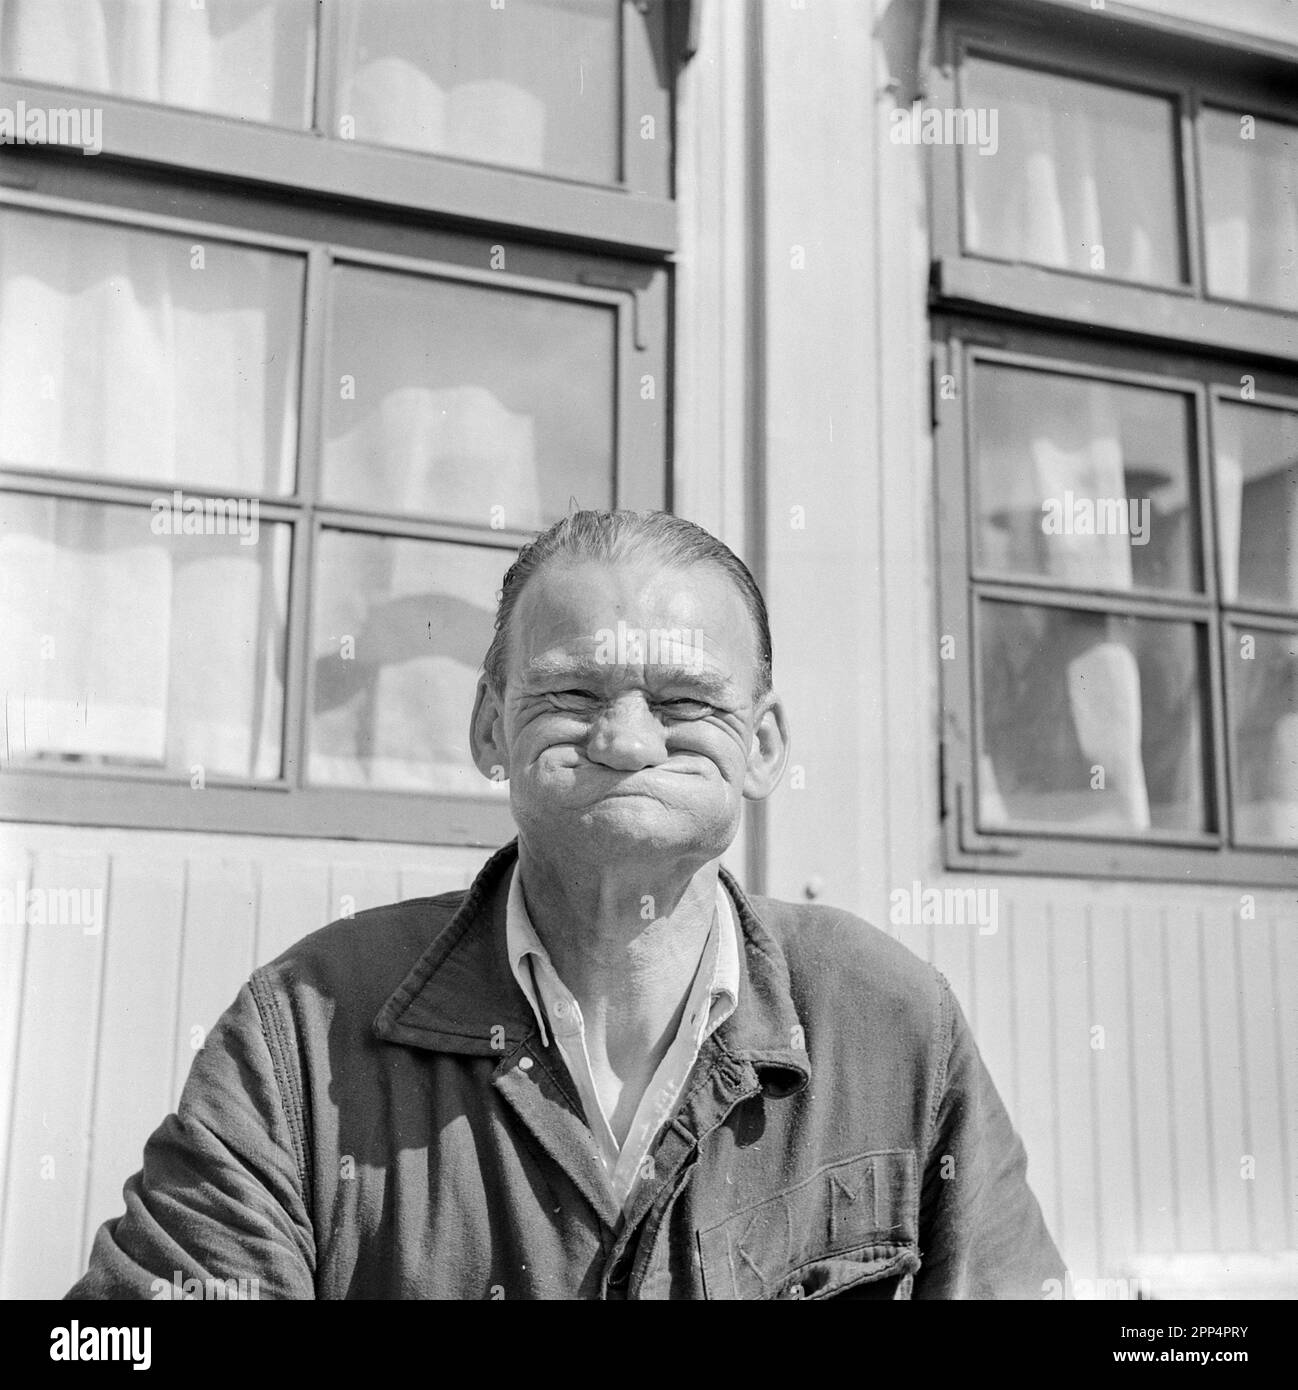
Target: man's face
[628, 725]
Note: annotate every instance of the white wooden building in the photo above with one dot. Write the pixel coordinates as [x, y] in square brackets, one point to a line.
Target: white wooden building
[870, 290]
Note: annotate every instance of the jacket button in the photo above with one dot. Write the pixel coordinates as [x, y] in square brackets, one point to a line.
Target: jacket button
[795, 1291]
[620, 1274]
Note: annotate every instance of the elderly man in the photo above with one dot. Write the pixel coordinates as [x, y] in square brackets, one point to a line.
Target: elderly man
[604, 1071]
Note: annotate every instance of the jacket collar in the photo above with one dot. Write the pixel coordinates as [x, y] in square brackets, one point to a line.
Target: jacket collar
[461, 995]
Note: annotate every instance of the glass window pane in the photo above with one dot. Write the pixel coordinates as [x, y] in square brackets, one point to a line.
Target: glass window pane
[1257, 502]
[532, 84]
[136, 354]
[1080, 176]
[143, 636]
[401, 629]
[466, 403]
[1086, 483]
[1263, 670]
[1089, 720]
[253, 59]
[1250, 207]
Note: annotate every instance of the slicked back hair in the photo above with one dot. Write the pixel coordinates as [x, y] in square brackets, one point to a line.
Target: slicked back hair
[608, 537]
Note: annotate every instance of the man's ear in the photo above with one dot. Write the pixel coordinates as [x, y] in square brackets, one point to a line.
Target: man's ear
[769, 751]
[486, 734]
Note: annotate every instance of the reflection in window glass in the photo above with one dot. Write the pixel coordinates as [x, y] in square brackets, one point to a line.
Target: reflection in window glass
[134, 354]
[1083, 175]
[401, 629]
[1257, 503]
[1263, 670]
[1250, 206]
[143, 636]
[466, 403]
[532, 84]
[1086, 483]
[248, 58]
[1089, 720]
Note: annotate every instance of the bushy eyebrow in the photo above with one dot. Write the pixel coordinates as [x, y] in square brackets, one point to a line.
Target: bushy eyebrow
[699, 678]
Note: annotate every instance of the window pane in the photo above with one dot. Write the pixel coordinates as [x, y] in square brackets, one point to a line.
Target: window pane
[532, 84]
[401, 629]
[1250, 203]
[133, 354]
[1089, 720]
[1081, 176]
[248, 58]
[1086, 483]
[1257, 503]
[466, 403]
[1263, 670]
[148, 637]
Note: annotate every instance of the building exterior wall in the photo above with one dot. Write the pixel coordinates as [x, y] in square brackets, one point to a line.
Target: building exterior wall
[1142, 1035]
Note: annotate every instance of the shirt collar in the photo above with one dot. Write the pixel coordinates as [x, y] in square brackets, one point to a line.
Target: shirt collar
[522, 941]
[460, 995]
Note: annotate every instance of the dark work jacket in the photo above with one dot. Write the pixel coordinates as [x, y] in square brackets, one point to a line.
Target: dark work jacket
[375, 1117]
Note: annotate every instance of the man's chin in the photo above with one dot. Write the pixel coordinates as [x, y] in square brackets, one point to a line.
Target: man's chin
[627, 825]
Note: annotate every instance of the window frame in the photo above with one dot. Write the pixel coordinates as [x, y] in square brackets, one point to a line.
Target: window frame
[1057, 850]
[1000, 307]
[1091, 301]
[637, 292]
[635, 214]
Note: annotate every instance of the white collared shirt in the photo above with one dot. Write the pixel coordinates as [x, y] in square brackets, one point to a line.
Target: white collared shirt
[712, 999]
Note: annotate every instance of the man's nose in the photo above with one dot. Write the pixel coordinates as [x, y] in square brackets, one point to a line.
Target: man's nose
[627, 736]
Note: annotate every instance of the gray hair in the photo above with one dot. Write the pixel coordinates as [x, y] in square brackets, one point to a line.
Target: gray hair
[619, 535]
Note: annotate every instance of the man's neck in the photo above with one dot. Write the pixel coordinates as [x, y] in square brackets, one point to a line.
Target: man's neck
[627, 942]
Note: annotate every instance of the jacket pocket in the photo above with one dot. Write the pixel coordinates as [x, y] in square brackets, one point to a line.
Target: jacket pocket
[847, 1228]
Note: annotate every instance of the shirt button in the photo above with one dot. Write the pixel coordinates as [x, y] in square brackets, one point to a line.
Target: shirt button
[561, 1010]
[525, 1063]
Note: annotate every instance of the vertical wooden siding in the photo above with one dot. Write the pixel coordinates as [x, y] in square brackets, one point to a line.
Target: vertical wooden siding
[1173, 1128]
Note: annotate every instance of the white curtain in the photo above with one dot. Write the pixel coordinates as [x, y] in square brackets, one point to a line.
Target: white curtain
[1250, 208]
[247, 58]
[531, 85]
[1083, 176]
[402, 627]
[122, 357]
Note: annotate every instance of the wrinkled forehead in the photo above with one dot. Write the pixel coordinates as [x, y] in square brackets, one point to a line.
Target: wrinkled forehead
[636, 611]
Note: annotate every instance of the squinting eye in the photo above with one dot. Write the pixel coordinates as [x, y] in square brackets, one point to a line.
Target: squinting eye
[686, 709]
[573, 700]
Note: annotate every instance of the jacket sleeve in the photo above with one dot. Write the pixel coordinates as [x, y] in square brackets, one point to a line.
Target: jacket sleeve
[220, 1193]
[982, 1234]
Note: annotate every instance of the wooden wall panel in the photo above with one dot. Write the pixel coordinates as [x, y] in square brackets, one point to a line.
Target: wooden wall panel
[1154, 1155]
[1036, 1083]
[1112, 1062]
[292, 902]
[216, 951]
[1226, 1080]
[137, 1022]
[15, 875]
[1285, 982]
[1270, 1214]
[49, 1139]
